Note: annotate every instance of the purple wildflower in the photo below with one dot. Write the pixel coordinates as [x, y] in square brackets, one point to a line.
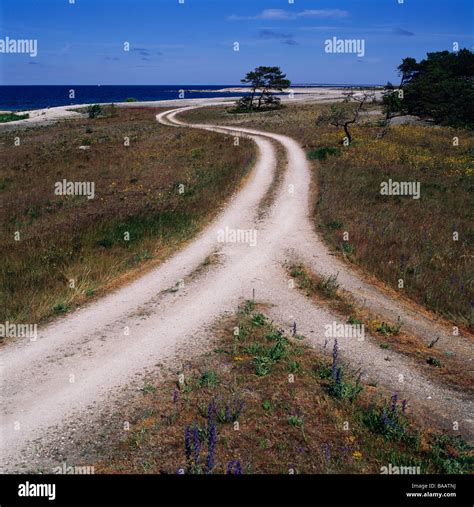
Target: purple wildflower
[187, 442]
[228, 413]
[234, 467]
[211, 446]
[211, 409]
[393, 402]
[175, 396]
[339, 376]
[335, 351]
[197, 443]
[404, 406]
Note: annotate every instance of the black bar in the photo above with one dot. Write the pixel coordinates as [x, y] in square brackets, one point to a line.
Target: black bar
[291, 490]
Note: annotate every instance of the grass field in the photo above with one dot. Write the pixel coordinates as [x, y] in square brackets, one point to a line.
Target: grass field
[441, 366]
[6, 117]
[226, 412]
[60, 250]
[392, 237]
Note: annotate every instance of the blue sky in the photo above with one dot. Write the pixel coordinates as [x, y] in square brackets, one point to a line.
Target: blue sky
[192, 43]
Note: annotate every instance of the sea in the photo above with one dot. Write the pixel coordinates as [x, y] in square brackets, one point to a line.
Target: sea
[23, 98]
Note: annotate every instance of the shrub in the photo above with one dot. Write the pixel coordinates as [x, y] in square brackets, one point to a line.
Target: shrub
[6, 117]
[60, 308]
[389, 420]
[322, 153]
[434, 361]
[329, 285]
[209, 379]
[440, 87]
[258, 319]
[94, 111]
[452, 454]
[263, 365]
[388, 330]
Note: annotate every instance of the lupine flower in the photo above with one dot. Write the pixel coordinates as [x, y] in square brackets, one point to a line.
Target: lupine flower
[394, 401]
[404, 406]
[339, 376]
[228, 413]
[211, 409]
[234, 467]
[175, 396]
[211, 446]
[187, 442]
[197, 444]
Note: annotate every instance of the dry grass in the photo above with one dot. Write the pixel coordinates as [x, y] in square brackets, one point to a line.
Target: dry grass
[448, 369]
[65, 238]
[392, 237]
[284, 426]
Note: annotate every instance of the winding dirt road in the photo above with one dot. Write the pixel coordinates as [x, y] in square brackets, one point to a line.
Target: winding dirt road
[78, 360]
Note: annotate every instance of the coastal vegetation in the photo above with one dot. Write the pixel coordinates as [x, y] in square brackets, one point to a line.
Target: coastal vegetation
[425, 242]
[264, 82]
[6, 117]
[225, 411]
[150, 189]
[440, 87]
[94, 111]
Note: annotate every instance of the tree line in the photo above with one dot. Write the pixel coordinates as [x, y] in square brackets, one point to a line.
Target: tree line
[439, 87]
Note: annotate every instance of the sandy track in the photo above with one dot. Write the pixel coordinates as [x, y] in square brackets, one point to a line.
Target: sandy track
[79, 359]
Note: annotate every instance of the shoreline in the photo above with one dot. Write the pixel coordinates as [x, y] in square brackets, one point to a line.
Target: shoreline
[46, 116]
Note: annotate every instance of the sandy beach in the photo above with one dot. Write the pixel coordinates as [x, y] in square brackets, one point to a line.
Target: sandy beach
[46, 116]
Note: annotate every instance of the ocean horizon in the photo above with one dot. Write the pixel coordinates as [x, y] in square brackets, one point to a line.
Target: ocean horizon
[28, 97]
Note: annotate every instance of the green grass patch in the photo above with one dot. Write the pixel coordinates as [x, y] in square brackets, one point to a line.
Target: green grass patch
[6, 117]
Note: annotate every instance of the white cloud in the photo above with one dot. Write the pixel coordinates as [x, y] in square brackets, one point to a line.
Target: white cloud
[277, 14]
[323, 13]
